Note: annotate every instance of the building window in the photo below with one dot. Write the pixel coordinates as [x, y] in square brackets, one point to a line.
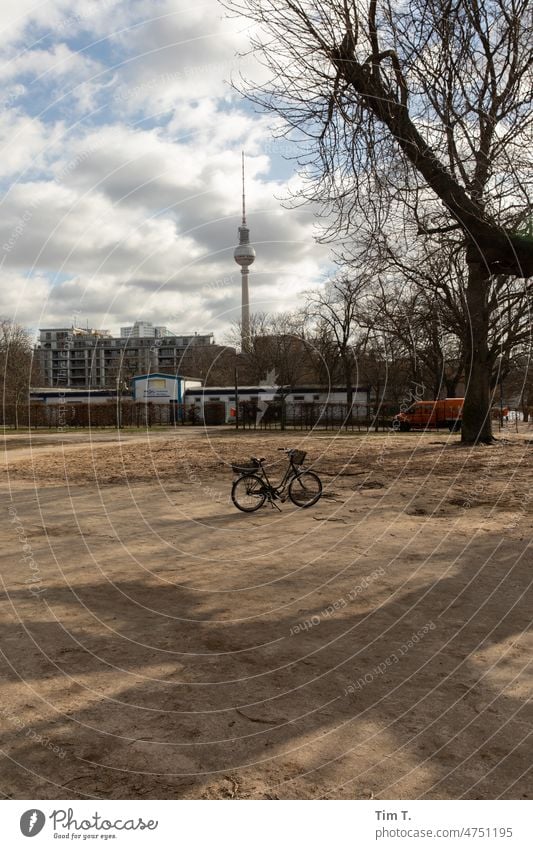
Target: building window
[316, 397]
[299, 397]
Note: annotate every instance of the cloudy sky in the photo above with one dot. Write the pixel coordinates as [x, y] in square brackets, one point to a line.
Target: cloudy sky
[121, 143]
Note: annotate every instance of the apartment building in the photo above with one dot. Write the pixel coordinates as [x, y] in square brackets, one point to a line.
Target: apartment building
[144, 330]
[86, 358]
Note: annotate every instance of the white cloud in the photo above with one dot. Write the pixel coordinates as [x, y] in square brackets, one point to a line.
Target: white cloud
[22, 297]
[130, 208]
[45, 65]
[25, 144]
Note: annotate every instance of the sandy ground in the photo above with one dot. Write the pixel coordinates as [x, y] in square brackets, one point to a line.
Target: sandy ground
[157, 643]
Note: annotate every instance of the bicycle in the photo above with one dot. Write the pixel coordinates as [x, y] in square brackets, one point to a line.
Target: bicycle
[252, 488]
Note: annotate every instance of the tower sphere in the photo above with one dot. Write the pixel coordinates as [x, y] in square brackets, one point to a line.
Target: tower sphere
[244, 254]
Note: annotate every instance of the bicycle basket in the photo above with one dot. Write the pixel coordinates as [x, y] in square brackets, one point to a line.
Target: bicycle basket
[244, 467]
[297, 457]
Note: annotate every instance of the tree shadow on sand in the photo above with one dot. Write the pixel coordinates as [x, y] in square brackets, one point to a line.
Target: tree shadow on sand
[166, 700]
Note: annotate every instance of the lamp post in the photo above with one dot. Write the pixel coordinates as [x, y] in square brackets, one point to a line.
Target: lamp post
[236, 400]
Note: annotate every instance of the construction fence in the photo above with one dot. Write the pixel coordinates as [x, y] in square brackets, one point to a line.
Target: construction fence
[124, 414]
[309, 416]
[251, 416]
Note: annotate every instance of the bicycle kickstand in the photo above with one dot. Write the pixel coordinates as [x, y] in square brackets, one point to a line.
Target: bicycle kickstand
[273, 504]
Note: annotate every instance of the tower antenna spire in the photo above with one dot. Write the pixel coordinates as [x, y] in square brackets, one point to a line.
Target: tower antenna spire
[243, 194]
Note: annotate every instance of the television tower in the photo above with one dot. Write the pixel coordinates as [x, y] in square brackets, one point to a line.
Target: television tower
[244, 255]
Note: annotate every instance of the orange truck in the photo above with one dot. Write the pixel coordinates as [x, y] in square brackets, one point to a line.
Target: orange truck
[424, 415]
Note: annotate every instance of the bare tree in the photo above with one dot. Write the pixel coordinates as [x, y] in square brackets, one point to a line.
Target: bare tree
[213, 364]
[413, 316]
[385, 368]
[427, 104]
[427, 307]
[322, 352]
[17, 366]
[337, 308]
[518, 377]
[279, 349]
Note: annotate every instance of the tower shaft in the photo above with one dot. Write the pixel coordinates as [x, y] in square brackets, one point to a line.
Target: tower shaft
[245, 310]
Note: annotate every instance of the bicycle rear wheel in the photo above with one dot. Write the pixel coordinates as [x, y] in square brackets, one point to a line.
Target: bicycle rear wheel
[305, 489]
[248, 493]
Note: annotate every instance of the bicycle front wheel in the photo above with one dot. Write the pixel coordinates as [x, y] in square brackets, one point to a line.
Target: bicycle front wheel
[305, 489]
[248, 493]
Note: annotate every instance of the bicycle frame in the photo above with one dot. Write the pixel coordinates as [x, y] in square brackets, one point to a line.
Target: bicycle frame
[290, 473]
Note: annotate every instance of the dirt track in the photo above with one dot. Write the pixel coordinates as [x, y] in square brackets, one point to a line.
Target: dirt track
[157, 643]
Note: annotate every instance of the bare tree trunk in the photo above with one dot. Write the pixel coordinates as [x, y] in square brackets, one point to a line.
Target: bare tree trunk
[478, 366]
[451, 386]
